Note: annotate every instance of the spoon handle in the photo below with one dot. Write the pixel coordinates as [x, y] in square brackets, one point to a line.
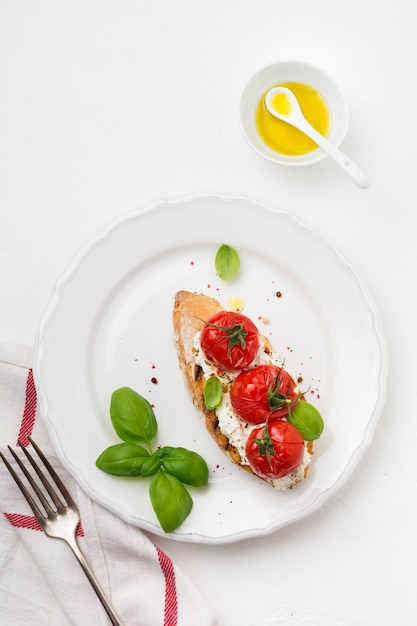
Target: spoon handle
[348, 166]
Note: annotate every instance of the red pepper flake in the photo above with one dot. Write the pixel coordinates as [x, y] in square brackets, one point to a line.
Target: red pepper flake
[154, 380]
[192, 263]
[153, 366]
[208, 286]
[278, 294]
[300, 379]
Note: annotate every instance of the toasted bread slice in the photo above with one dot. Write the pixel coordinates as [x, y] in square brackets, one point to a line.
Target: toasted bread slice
[190, 309]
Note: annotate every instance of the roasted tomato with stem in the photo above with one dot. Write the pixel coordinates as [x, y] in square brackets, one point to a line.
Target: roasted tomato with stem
[275, 449]
[229, 340]
[262, 392]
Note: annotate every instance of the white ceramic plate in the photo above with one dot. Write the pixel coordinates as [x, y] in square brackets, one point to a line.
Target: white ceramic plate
[108, 324]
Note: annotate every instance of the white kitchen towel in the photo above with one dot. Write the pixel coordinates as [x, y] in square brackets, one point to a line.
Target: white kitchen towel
[41, 582]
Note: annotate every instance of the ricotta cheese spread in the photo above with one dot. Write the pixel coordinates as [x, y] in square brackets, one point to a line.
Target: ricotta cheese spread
[235, 429]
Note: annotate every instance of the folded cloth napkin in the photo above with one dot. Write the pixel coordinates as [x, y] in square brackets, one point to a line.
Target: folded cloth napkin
[41, 582]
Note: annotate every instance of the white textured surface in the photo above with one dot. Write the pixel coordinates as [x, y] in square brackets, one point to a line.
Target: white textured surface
[86, 135]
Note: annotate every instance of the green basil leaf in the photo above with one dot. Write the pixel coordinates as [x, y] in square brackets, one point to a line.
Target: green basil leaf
[132, 416]
[307, 420]
[227, 262]
[164, 451]
[151, 465]
[187, 466]
[170, 500]
[213, 393]
[122, 459]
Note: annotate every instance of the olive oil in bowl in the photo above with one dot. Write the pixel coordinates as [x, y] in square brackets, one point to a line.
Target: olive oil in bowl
[284, 138]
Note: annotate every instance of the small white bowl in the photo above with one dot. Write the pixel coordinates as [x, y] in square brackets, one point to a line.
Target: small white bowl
[292, 71]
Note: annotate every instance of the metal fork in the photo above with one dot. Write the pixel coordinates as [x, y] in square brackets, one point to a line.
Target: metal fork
[60, 519]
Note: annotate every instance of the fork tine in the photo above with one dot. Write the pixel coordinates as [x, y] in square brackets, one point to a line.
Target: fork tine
[25, 492]
[46, 505]
[43, 479]
[53, 474]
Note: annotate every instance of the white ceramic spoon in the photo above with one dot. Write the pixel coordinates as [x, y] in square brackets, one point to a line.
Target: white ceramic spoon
[292, 114]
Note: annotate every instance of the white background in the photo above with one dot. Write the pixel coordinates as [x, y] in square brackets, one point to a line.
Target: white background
[106, 106]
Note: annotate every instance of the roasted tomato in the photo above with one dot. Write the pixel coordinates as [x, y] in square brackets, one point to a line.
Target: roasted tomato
[275, 449]
[262, 392]
[229, 340]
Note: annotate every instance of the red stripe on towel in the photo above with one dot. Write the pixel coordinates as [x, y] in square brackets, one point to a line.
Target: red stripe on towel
[26, 428]
[28, 419]
[171, 601]
[30, 521]
[23, 521]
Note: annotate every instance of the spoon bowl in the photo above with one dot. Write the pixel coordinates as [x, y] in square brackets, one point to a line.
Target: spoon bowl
[282, 103]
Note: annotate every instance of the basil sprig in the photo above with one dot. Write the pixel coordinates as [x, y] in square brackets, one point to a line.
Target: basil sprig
[123, 459]
[212, 393]
[132, 416]
[171, 467]
[170, 500]
[187, 466]
[227, 262]
[307, 420]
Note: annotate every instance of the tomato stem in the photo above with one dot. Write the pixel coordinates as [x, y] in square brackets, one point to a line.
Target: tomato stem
[235, 334]
[278, 400]
[266, 445]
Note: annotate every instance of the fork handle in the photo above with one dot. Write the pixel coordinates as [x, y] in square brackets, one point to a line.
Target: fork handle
[72, 542]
